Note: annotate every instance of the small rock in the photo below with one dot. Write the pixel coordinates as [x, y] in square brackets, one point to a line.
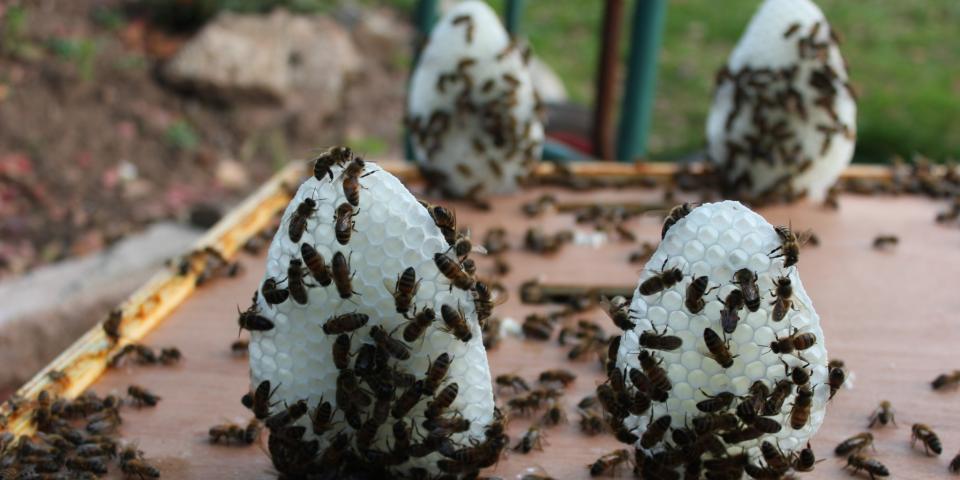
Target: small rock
[277, 58]
[232, 175]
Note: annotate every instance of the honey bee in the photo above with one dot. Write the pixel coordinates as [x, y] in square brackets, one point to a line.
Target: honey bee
[836, 378]
[514, 382]
[676, 213]
[341, 351]
[343, 223]
[553, 416]
[789, 246]
[295, 282]
[436, 372]
[774, 402]
[793, 343]
[470, 268]
[646, 250]
[661, 280]
[273, 294]
[695, 292]
[660, 341]
[287, 415]
[564, 377]
[730, 314]
[325, 162]
[418, 324]
[946, 380]
[259, 400]
[659, 381]
[530, 440]
[396, 348]
[456, 324]
[870, 465]
[655, 432]
[111, 326]
[719, 350]
[143, 355]
[407, 400]
[774, 457]
[800, 412]
[854, 444]
[805, 460]
[250, 319]
[342, 276]
[483, 300]
[321, 420]
[495, 241]
[142, 396]
[537, 327]
[883, 241]
[715, 403]
[442, 400]
[453, 272]
[231, 432]
[406, 288]
[799, 375]
[783, 300]
[711, 423]
[608, 463]
[351, 180]
[791, 29]
[618, 309]
[445, 219]
[883, 415]
[315, 264]
[95, 465]
[766, 425]
[591, 423]
[747, 279]
[298, 221]
[345, 323]
[170, 355]
[138, 467]
[929, 439]
[955, 464]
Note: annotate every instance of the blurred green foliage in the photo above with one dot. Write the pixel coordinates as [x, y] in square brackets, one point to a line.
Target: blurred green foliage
[81, 51]
[181, 135]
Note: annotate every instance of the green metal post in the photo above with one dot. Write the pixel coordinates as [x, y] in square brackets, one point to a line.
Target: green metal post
[512, 15]
[424, 17]
[639, 90]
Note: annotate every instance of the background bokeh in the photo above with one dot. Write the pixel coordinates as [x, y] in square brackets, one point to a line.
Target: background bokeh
[95, 144]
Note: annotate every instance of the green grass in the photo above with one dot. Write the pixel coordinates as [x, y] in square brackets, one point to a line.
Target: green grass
[903, 58]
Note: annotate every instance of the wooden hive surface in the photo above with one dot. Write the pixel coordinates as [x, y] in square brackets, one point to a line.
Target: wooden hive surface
[892, 316]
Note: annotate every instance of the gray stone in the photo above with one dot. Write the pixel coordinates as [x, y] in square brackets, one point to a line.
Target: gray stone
[46, 310]
[280, 57]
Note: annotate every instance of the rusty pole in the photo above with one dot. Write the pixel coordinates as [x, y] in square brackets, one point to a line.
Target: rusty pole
[606, 80]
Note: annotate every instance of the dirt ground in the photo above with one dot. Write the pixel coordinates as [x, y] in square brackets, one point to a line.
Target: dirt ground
[94, 146]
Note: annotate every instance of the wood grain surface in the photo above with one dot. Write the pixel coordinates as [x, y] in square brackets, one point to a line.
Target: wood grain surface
[892, 316]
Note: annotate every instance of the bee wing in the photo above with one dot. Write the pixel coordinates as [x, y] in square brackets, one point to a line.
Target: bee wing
[479, 249]
[804, 237]
[390, 285]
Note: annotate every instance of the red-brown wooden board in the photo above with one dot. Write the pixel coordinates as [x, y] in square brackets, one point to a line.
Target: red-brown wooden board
[892, 316]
